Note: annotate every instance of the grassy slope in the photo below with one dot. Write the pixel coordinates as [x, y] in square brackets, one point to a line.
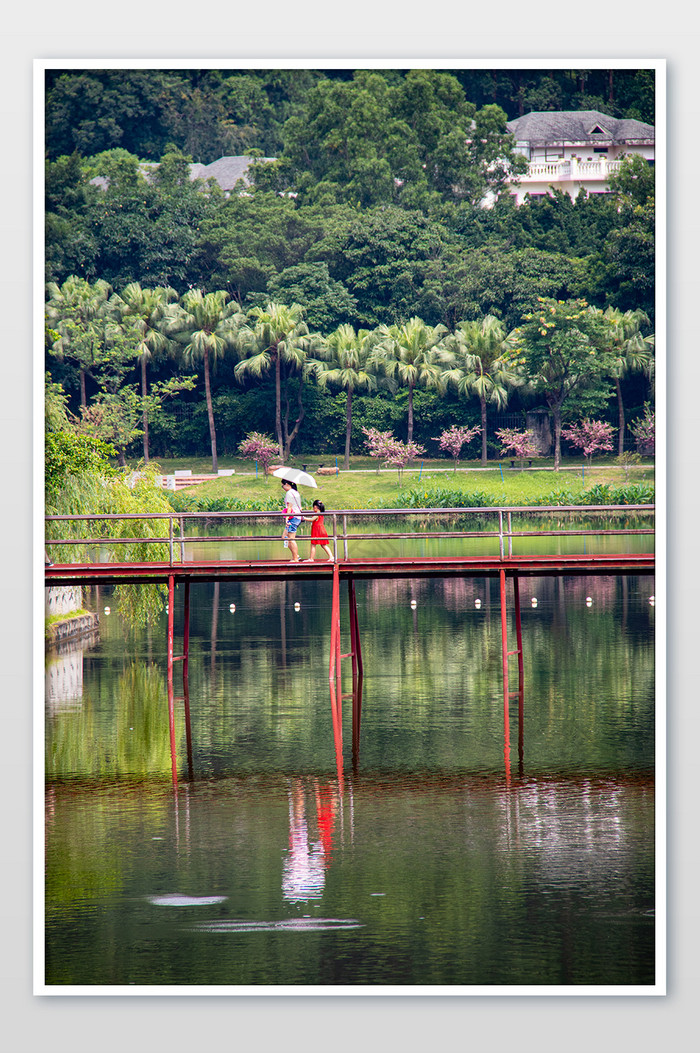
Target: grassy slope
[362, 486]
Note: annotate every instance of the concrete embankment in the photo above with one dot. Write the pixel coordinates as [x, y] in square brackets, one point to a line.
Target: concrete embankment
[71, 627]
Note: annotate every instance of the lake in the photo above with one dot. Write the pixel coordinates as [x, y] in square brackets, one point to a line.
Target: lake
[441, 854]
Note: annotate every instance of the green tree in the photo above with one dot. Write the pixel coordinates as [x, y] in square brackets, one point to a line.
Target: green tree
[70, 246]
[414, 354]
[277, 340]
[146, 219]
[628, 256]
[206, 325]
[327, 303]
[145, 308]
[346, 354]
[482, 367]
[558, 348]
[630, 352]
[66, 451]
[380, 256]
[94, 110]
[77, 311]
[383, 138]
[462, 283]
[247, 241]
[114, 414]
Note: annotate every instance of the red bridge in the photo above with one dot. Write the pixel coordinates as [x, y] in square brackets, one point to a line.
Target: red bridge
[170, 563]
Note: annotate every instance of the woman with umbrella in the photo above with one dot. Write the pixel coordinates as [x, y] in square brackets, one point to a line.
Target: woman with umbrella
[292, 504]
[292, 511]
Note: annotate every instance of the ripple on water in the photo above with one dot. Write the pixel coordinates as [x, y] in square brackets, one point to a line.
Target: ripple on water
[174, 899]
[285, 925]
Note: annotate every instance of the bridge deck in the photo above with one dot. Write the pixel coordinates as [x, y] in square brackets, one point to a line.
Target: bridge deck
[221, 570]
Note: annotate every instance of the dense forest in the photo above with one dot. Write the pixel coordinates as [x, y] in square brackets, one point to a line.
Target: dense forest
[365, 208]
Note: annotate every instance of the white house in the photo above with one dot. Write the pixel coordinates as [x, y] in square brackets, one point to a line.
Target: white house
[573, 150]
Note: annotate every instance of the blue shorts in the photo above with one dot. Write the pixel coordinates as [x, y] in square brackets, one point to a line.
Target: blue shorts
[292, 524]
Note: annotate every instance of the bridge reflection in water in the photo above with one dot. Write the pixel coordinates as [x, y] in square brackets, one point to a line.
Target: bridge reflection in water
[492, 556]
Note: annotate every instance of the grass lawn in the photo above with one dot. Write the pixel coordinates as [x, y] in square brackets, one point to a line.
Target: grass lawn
[364, 487]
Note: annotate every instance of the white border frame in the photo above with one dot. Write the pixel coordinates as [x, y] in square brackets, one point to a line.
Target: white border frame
[659, 67]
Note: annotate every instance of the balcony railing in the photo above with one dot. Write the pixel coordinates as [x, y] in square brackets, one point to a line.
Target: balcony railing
[572, 169]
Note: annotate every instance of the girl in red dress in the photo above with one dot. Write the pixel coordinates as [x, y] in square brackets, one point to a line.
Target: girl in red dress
[319, 535]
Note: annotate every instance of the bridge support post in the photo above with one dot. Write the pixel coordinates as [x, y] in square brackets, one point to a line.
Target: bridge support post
[521, 673]
[186, 634]
[504, 659]
[188, 725]
[334, 675]
[504, 640]
[354, 630]
[171, 698]
[357, 670]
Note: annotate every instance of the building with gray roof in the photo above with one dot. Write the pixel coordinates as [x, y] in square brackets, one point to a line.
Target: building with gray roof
[574, 150]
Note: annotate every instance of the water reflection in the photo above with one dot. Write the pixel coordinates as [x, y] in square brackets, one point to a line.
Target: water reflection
[309, 852]
[418, 865]
[63, 675]
[431, 879]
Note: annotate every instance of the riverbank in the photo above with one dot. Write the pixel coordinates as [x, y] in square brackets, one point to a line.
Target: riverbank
[61, 627]
[365, 487]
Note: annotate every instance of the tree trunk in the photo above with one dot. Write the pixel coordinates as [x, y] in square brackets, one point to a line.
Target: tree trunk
[620, 418]
[278, 403]
[210, 412]
[484, 447]
[144, 393]
[348, 429]
[83, 397]
[410, 412]
[289, 437]
[556, 413]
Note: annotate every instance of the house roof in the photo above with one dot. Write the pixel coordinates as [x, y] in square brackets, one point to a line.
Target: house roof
[226, 170]
[578, 126]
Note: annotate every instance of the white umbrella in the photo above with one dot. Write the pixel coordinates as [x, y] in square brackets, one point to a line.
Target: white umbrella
[295, 475]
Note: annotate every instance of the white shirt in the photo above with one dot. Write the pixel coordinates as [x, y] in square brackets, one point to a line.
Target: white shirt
[292, 502]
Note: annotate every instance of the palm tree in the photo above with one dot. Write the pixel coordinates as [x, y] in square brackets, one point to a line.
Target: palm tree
[278, 340]
[207, 326]
[632, 353]
[146, 309]
[414, 354]
[76, 310]
[345, 366]
[481, 368]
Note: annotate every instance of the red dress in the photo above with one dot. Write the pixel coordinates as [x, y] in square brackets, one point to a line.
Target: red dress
[318, 532]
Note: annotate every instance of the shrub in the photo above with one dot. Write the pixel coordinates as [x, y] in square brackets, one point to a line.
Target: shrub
[441, 497]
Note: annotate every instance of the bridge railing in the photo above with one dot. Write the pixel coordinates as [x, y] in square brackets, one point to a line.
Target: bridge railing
[344, 528]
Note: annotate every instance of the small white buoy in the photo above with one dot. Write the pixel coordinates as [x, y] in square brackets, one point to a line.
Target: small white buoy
[533, 601]
[167, 608]
[413, 605]
[232, 607]
[108, 610]
[297, 606]
[652, 601]
[589, 601]
[477, 603]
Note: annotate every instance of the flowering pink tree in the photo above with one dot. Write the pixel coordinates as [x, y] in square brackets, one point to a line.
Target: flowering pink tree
[402, 453]
[259, 447]
[644, 431]
[391, 451]
[590, 436]
[453, 439]
[517, 444]
[378, 444]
